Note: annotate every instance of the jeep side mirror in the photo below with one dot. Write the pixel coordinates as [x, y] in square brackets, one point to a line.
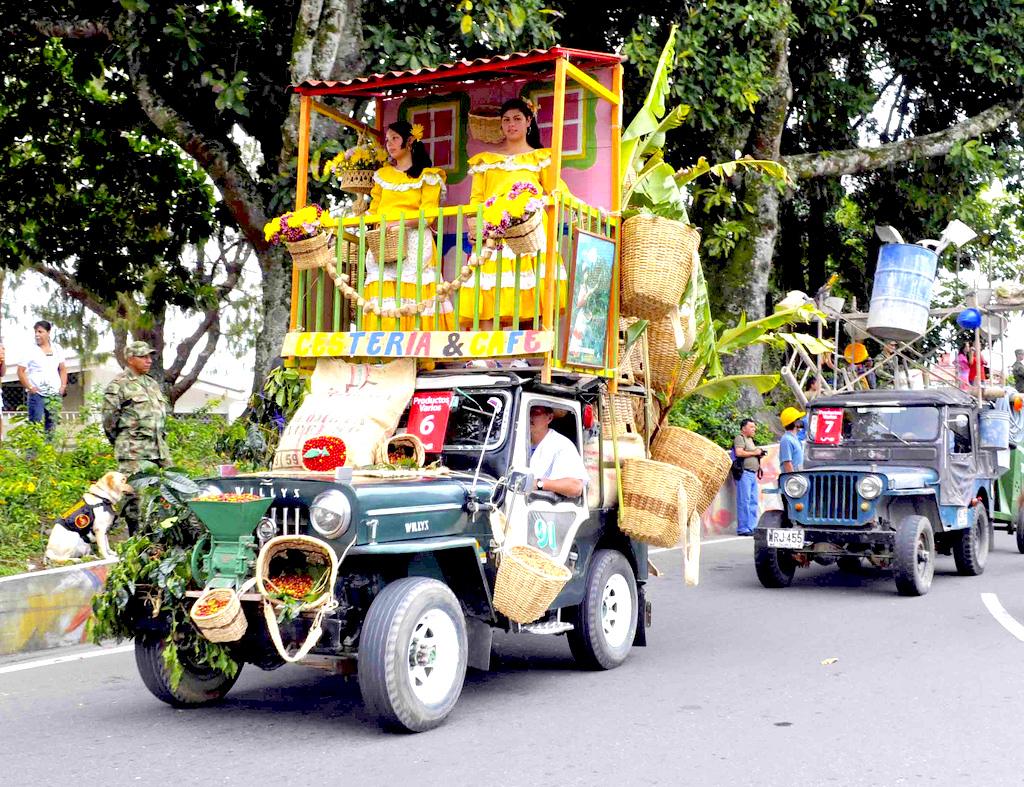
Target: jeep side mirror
[520, 483]
[960, 420]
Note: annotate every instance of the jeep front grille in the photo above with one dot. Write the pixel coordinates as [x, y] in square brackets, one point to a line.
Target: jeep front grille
[832, 497]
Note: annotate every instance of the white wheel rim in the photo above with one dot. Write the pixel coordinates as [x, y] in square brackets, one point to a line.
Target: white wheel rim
[433, 656]
[616, 610]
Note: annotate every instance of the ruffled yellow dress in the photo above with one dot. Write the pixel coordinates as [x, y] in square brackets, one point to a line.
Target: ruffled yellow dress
[495, 173]
[393, 194]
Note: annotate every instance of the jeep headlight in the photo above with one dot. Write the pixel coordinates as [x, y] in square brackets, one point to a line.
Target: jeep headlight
[795, 486]
[330, 514]
[870, 487]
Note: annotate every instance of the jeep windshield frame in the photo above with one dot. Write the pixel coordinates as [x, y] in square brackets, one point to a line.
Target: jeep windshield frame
[870, 424]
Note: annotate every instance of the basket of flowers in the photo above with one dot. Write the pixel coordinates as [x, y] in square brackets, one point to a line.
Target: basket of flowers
[306, 234]
[514, 219]
[218, 615]
[353, 168]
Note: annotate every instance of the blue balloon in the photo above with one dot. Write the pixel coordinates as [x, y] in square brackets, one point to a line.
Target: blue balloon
[969, 319]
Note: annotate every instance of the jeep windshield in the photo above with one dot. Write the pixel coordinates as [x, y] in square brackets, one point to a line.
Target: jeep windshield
[468, 416]
[879, 424]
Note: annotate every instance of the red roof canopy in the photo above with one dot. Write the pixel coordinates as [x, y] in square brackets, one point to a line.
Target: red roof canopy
[538, 63]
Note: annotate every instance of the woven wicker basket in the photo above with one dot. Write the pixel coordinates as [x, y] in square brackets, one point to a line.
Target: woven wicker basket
[625, 417]
[693, 452]
[311, 253]
[398, 442]
[485, 125]
[226, 625]
[315, 550]
[526, 584]
[390, 244]
[526, 238]
[669, 373]
[657, 257]
[356, 181]
[650, 501]
[640, 413]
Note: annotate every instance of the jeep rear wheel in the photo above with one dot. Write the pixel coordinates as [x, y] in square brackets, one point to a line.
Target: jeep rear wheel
[199, 685]
[775, 567]
[412, 654]
[970, 551]
[604, 624]
[914, 558]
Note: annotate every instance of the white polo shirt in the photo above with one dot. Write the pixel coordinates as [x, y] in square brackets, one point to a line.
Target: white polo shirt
[556, 457]
[42, 369]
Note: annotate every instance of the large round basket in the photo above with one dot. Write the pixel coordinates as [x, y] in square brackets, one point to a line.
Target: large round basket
[650, 501]
[526, 584]
[356, 181]
[400, 442]
[225, 625]
[312, 252]
[691, 451]
[485, 125]
[657, 257]
[527, 238]
[390, 253]
[316, 551]
[669, 372]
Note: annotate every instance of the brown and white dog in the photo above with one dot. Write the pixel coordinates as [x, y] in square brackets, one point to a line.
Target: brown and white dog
[88, 521]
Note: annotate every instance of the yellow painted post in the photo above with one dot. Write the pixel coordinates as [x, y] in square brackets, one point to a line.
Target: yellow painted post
[305, 102]
[554, 225]
[613, 334]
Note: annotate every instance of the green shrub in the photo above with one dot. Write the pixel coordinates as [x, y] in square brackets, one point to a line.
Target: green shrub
[718, 420]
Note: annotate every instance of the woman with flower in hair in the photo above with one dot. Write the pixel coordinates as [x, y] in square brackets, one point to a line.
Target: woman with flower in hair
[405, 186]
[520, 159]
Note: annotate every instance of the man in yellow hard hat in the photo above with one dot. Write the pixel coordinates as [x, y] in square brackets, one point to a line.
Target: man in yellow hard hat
[791, 450]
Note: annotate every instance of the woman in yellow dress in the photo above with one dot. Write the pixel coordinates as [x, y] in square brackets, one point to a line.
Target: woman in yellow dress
[520, 158]
[407, 185]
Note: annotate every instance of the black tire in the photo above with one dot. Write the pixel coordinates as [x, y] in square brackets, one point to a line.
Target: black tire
[970, 550]
[603, 628]
[1020, 530]
[849, 564]
[198, 685]
[401, 618]
[913, 562]
[775, 567]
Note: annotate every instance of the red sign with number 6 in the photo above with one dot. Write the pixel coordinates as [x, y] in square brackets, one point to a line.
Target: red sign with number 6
[428, 419]
[829, 427]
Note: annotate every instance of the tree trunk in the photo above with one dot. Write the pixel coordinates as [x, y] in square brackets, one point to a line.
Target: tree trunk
[276, 311]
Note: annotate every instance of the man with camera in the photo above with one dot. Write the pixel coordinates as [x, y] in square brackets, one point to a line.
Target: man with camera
[746, 484]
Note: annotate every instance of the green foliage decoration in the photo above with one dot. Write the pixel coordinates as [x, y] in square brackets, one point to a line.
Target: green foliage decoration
[718, 419]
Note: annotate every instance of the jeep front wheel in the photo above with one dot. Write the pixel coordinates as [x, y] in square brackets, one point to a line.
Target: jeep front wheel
[914, 558]
[970, 551]
[412, 654]
[1020, 530]
[775, 567]
[199, 684]
[604, 624]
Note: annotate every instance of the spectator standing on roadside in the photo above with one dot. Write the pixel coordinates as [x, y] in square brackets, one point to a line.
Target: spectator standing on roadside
[1017, 370]
[869, 367]
[44, 376]
[791, 449]
[746, 486]
[135, 413]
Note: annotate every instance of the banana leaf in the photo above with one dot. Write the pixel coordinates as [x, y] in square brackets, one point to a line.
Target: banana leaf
[653, 109]
[811, 344]
[722, 386]
[745, 333]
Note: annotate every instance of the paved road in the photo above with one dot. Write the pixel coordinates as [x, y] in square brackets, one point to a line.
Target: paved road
[731, 691]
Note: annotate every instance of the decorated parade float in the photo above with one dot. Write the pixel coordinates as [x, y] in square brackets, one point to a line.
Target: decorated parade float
[401, 524]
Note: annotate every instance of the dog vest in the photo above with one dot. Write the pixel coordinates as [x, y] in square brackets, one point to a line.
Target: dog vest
[81, 515]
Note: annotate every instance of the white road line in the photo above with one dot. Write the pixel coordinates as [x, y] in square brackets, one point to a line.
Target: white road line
[64, 659]
[702, 543]
[1006, 620]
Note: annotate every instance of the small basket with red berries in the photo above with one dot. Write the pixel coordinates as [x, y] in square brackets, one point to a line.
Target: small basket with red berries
[401, 450]
[218, 615]
[298, 572]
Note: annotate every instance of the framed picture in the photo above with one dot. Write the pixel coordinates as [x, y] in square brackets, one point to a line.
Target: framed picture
[587, 323]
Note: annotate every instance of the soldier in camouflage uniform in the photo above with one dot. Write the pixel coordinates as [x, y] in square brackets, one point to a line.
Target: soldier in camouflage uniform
[135, 413]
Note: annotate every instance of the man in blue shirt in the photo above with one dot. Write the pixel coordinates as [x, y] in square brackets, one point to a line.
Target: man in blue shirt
[791, 449]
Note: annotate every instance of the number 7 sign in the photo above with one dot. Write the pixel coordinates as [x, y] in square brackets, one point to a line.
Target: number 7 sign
[829, 427]
[428, 419]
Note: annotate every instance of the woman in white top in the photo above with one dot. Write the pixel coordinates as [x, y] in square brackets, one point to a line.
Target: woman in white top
[43, 374]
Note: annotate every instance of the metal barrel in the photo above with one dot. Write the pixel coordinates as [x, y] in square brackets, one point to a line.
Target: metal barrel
[902, 292]
[994, 429]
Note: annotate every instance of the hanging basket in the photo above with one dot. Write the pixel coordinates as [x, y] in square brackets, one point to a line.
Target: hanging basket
[669, 373]
[526, 239]
[311, 253]
[485, 125]
[356, 181]
[625, 418]
[404, 443]
[691, 451]
[526, 584]
[227, 624]
[650, 501]
[315, 551]
[657, 257]
[390, 244]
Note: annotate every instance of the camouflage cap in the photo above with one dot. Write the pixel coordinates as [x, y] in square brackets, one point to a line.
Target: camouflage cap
[137, 350]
